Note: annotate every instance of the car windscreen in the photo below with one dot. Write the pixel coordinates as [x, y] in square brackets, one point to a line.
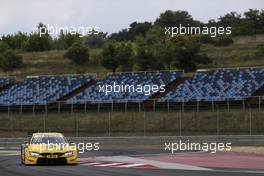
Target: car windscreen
[48, 140]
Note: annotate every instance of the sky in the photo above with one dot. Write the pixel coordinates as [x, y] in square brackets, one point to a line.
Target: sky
[109, 15]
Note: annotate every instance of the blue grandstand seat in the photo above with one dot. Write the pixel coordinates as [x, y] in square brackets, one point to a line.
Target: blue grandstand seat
[6, 81]
[219, 85]
[93, 94]
[42, 90]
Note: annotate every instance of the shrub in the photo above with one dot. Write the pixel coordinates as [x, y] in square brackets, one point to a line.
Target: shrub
[78, 53]
[3, 47]
[223, 41]
[9, 61]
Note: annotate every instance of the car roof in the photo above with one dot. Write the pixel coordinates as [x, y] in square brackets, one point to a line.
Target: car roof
[48, 134]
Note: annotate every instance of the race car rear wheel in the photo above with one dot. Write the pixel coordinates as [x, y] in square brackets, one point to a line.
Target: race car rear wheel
[22, 155]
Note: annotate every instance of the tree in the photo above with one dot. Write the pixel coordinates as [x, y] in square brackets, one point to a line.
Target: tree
[120, 36]
[167, 54]
[40, 40]
[125, 54]
[109, 59]
[135, 30]
[118, 55]
[66, 40]
[16, 41]
[78, 53]
[95, 40]
[189, 56]
[154, 36]
[147, 60]
[251, 23]
[252, 17]
[143, 59]
[261, 19]
[175, 18]
[3, 47]
[231, 19]
[138, 29]
[9, 61]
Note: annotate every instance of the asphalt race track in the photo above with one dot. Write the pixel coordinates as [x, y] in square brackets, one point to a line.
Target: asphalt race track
[115, 155]
[10, 166]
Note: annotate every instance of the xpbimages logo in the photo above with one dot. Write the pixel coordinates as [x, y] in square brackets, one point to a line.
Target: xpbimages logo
[183, 146]
[212, 31]
[56, 30]
[126, 88]
[81, 147]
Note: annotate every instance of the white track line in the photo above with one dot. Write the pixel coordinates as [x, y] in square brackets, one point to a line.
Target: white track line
[158, 164]
[126, 165]
[132, 165]
[109, 164]
[90, 164]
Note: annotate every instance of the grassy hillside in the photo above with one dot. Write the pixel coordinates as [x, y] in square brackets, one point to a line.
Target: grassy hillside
[53, 62]
[236, 55]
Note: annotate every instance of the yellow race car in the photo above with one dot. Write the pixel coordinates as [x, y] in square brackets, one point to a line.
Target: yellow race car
[48, 148]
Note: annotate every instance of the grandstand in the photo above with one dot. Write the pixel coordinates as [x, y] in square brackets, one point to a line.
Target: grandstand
[6, 82]
[93, 95]
[42, 90]
[218, 85]
[71, 91]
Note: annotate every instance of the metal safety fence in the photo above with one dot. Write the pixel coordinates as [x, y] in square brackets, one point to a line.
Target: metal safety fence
[148, 118]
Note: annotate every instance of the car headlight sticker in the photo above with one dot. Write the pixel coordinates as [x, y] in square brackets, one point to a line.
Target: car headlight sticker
[34, 154]
[68, 153]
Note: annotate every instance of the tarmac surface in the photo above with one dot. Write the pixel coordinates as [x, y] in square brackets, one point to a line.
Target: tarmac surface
[126, 163]
[138, 156]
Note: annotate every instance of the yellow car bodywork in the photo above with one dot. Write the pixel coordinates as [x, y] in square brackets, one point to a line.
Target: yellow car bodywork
[51, 153]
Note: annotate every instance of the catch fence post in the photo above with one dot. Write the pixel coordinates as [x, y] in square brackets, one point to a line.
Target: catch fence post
[98, 107]
[145, 123]
[183, 106]
[228, 106]
[243, 101]
[250, 121]
[85, 107]
[21, 109]
[168, 105]
[76, 125]
[45, 117]
[59, 106]
[109, 123]
[72, 107]
[126, 106]
[197, 105]
[154, 105]
[217, 122]
[33, 109]
[212, 105]
[259, 98]
[8, 110]
[180, 123]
